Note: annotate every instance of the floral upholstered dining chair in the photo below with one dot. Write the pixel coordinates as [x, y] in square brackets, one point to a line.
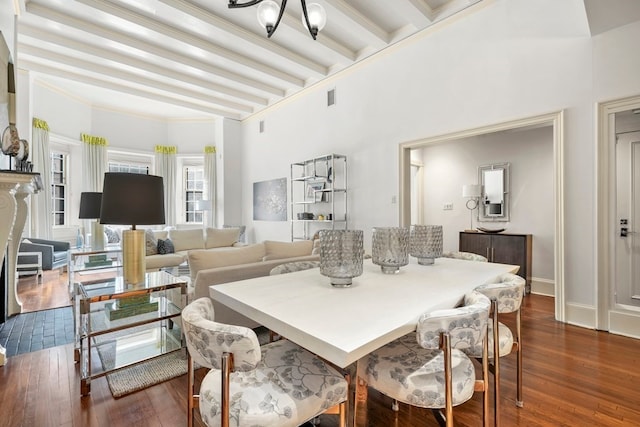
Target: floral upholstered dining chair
[277, 384]
[429, 369]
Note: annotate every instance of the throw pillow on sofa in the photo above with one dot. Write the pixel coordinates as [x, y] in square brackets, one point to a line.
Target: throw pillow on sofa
[165, 246]
[151, 242]
[220, 237]
[112, 235]
[280, 250]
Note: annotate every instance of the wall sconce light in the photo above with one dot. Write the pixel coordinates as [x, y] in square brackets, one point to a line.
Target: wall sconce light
[473, 192]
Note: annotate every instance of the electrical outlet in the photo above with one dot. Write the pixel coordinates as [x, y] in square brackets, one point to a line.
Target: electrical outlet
[447, 207]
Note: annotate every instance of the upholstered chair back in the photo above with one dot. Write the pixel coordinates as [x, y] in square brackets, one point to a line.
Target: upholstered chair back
[467, 256]
[207, 340]
[466, 325]
[507, 289]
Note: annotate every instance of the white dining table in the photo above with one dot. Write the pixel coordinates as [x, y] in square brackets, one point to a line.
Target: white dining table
[343, 325]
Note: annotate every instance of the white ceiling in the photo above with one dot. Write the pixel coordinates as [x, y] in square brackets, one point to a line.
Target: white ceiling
[198, 58]
[190, 58]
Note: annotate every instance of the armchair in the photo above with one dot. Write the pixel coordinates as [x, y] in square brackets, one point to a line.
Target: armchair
[54, 253]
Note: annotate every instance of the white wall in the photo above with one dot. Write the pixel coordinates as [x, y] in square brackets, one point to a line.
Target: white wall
[512, 59]
[447, 167]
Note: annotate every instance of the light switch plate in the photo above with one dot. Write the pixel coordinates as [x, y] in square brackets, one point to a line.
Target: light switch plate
[447, 207]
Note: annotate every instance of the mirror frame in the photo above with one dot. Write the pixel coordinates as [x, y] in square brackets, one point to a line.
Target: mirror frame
[482, 205]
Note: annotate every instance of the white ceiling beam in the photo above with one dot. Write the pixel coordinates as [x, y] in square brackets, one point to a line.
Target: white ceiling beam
[143, 46]
[452, 7]
[361, 20]
[418, 12]
[116, 73]
[47, 36]
[323, 39]
[69, 75]
[192, 40]
[260, 41]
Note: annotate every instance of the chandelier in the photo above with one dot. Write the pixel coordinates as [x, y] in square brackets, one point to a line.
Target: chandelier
[270, 14]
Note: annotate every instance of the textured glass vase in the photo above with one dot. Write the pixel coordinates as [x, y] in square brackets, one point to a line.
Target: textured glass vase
[390, 248]
[341, 253]
[425, 243]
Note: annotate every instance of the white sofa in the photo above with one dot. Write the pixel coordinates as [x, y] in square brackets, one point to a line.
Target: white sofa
[240, 263]
[211, 239]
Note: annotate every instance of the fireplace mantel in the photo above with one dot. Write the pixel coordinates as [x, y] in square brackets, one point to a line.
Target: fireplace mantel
[15, 187]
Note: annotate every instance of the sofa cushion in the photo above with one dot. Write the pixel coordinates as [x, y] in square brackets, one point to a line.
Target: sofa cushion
[219, 237]
[279, 250]
[187, 239]
[206, 258]
[154, 262]
[151, 242]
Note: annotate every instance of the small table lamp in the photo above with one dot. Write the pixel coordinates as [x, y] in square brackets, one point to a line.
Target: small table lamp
[203, 206]
[136, 199]
[90, 203]
[473, 192]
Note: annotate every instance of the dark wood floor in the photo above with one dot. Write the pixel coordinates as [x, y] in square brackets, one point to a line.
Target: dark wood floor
[572, 377]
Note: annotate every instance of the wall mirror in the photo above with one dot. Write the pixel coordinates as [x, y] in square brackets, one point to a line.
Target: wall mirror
[494, 202]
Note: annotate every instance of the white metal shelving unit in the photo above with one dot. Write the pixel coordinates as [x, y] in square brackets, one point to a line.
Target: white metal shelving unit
[318, 195]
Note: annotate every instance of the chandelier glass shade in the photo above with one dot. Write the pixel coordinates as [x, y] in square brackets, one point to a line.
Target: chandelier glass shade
[270, 14]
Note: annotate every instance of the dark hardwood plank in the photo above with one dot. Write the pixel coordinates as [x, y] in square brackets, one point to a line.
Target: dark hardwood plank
[572, 377]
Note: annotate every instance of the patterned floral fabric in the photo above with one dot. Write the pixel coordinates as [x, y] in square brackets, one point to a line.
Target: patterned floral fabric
[290, 267]
[508, 290]
[112, 235]
[467, 256]
[278, 384]
[411, 369]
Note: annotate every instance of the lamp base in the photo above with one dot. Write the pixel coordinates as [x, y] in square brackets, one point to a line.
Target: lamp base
[133, 256]
[97, 236]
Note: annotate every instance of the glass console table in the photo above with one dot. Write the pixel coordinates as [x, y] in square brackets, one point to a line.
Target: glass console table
[88, 263]
[120, 325]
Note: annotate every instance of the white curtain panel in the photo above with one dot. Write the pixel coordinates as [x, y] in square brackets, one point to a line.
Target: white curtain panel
[166, 165]
[94, 157]
[41, 203]
[210, 182]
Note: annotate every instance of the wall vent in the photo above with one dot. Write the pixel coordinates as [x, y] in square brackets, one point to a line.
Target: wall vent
[261, 126]
[331, 97]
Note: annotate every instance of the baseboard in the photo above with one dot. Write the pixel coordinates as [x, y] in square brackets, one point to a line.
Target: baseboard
[581, 315]
[625, 323]
[544, 287]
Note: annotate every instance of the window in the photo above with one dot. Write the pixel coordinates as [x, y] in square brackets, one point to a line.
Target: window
[128, 167]
[58, 187]
[194, 189]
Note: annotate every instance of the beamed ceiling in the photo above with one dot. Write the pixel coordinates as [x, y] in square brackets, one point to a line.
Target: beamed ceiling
[192, 58]
[198, 58]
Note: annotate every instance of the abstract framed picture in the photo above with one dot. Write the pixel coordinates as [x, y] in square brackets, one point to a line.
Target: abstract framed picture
[270, 200]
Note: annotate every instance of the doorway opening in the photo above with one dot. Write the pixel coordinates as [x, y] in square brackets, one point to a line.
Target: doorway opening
[618, 214]
[555, 121]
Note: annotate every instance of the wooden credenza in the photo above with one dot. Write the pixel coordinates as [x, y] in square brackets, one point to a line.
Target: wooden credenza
[503, 248]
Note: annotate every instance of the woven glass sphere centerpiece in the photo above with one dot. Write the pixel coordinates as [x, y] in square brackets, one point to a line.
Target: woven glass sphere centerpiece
[341, 253]
[425, 243]
[390, 248]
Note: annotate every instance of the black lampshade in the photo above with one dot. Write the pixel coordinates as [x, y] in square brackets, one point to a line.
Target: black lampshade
[132, 199]
[90, 205]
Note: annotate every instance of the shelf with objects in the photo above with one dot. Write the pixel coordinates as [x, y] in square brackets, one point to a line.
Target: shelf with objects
[86, 263]
[119, 325]
[318, 195]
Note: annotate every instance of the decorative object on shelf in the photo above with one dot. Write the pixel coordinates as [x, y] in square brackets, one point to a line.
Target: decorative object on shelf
[270, 14]
[314, 190]
[136, 199]
[472, 192]
[90, 203]
[425, 243]
[491, 230]
[270, 200]
[341, 255]
[390, 248]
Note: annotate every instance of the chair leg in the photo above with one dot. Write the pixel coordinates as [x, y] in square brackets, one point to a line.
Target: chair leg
[485, 379]
[190, 386]
[496, 367]
[227, 367]
[445, 345]
[519, 399]
[343, 414]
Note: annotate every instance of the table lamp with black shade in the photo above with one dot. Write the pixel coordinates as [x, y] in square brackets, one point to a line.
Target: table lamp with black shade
[135, 199]
[90, 203]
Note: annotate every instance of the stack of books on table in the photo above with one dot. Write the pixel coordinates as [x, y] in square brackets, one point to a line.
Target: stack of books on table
[97, 261]
[130, 306]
